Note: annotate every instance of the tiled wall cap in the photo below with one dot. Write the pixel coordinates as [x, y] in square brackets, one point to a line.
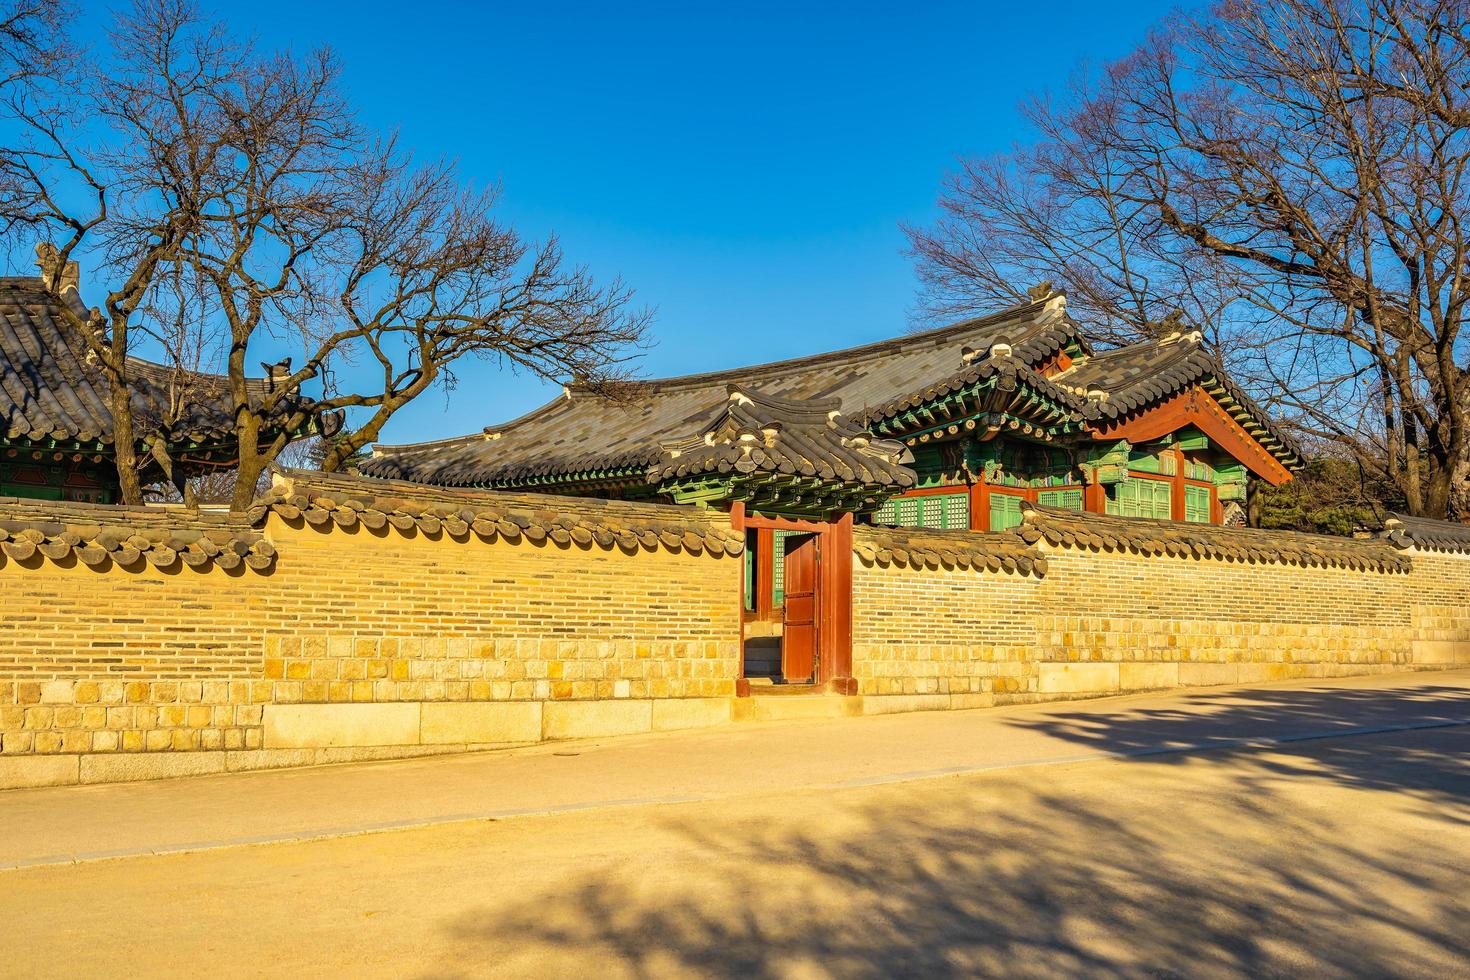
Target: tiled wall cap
[1102, 532]
[320, 500]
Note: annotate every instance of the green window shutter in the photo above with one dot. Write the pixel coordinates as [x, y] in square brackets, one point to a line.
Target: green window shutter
[1123, 501]
[1138, 497]
[945, 511]
[1005, 511]
[1160, 500]
[1066, 499]
[1197, 504]
[888, 513]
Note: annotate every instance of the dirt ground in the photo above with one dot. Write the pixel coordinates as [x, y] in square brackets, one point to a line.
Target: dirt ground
[1337, 856]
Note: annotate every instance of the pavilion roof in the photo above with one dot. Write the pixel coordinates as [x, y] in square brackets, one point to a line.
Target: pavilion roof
[588, 434]
[918, 387]
[53, 394]
[1134, 377]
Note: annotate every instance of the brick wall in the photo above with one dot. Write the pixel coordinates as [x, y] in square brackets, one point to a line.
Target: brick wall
[359, 635]
[121, 662]
[1101, 622]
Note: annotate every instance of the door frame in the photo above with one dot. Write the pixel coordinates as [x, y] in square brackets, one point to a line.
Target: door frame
[834, 594]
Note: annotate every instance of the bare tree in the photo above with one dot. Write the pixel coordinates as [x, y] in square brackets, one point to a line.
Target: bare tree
[242, 208]
[1292, 175]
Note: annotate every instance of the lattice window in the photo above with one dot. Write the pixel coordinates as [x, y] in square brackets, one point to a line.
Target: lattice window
[778, 567]
[936, 510]
[1068, 499]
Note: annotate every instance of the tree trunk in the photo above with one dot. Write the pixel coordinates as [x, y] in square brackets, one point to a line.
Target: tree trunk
[250, 465]
[119, 401]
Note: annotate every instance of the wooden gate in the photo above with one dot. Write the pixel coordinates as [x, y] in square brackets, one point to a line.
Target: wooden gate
[799, 628]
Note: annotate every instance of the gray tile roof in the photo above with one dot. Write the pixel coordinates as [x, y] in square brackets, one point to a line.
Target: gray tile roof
[755, 434]
[51, 390]
[1139, 375]
[328, 500]
[588, 436]
[927, 548]
[106, 534]
[584, 432]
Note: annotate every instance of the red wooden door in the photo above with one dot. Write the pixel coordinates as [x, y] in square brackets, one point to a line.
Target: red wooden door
[799, 628]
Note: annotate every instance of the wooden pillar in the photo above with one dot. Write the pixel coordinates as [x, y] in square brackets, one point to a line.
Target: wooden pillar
[765, 573]
[737, 524]
[979, 505]
[835, 634]
[1095, 496]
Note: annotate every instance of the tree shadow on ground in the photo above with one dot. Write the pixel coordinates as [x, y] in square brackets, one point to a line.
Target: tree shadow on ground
[1296, 720]
[1200, 868]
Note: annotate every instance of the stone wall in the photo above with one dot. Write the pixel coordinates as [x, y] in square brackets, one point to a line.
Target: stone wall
[350, 619]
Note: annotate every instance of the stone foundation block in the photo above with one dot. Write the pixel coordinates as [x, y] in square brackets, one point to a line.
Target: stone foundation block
[796, 707]
[19, 772]
[309, 726]
[1262, 673]
[1206, 675]
[128, 767]
[594, 719]
[1441, 652]
[895, 703]
[1148, 677]
[1078, 678]
[669, 716]
[453, 723]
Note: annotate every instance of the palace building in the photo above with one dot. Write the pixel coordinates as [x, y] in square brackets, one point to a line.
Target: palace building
[56, 427]
[956, 428]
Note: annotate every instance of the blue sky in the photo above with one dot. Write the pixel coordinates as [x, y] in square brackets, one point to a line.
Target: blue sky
[744, 167]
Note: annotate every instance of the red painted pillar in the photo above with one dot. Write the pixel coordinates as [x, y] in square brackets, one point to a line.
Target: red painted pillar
[979, 505]
[1095, 496]
[737, 523]
[835, 634]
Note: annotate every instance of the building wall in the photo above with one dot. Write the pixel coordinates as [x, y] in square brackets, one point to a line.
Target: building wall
[1101, 622]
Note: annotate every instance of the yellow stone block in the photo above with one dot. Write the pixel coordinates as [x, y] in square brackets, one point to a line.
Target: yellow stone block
[20, 772]
[449, 723]
[594, 719]
[675, 714]
[115, 768]
[1148, 676]
[1077, 678]
[305, 726]
[1206, 675]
